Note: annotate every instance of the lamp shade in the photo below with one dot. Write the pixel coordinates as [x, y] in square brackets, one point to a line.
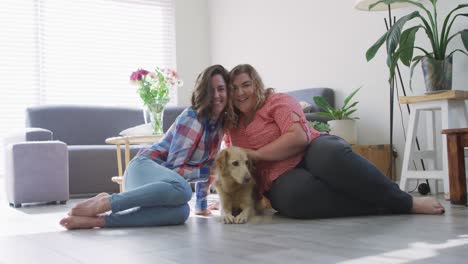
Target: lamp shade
[364, 5]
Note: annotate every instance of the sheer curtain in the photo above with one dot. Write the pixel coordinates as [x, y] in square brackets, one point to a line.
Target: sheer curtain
[78, 52]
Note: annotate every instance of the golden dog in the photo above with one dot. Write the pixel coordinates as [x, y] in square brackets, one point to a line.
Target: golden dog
[236, 186]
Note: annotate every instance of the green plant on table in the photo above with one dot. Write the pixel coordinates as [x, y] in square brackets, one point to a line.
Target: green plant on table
[401, 45]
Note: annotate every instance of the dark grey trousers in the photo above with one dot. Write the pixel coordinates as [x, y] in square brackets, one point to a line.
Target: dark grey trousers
[333, 181]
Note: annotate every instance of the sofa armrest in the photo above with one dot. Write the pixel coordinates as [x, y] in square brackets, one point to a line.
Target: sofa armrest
[27, 134]
[38, 134]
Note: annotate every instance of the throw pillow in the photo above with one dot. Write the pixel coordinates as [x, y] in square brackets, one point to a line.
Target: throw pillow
[306, 107]
[140, 130]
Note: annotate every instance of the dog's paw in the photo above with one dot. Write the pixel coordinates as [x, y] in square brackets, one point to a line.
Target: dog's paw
[241, 219]
[228, 219]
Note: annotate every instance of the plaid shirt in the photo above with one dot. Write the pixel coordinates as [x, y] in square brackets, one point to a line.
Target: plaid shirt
[189, 148]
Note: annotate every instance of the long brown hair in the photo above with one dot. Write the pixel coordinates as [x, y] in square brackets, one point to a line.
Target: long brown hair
[202, 96]
[261, 93]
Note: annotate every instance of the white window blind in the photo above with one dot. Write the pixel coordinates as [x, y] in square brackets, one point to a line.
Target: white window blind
[79, 52]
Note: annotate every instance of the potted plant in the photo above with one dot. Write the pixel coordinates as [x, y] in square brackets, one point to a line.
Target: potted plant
[342, 124]
[320, 126]
[437, 62]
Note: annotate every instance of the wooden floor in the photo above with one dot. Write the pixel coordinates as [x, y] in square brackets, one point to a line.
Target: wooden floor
[32, 235]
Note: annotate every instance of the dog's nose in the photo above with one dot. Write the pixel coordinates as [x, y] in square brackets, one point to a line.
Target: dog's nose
[247, 179]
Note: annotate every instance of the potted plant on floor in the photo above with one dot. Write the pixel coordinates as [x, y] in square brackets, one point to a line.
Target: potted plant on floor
[342, 125]
[436, 63]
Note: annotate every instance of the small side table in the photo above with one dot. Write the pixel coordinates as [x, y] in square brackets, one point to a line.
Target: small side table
[127, 141]
[453, 115]
[457, 141]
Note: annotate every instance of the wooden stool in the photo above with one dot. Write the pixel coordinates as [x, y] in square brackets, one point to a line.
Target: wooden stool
[451, 105]
[457, 140]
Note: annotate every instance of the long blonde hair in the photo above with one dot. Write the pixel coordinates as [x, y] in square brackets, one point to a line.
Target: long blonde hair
[261, 93]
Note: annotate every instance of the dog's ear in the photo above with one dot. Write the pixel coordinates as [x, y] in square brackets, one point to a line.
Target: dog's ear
[221, 161]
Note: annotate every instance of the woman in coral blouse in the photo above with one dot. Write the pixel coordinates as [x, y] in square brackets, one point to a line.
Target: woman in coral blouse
[306, 174]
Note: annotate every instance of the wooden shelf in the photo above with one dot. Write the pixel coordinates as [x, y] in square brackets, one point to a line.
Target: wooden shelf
[451, 95]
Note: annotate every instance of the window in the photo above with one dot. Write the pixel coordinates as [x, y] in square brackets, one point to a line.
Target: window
[78, 52]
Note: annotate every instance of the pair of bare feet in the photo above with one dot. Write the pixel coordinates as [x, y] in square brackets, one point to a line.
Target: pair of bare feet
[87, 214]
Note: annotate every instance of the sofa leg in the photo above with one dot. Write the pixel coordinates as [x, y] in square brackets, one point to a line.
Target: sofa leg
[15, 205]
[63, 202]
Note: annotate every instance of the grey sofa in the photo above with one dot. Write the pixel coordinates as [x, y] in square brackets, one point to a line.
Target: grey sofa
[307, 96]
[84, 129]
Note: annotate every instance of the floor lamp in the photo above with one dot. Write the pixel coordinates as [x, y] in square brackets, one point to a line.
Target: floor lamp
[363, 5]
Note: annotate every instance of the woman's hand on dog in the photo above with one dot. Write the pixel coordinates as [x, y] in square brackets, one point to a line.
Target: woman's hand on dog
[253, 154]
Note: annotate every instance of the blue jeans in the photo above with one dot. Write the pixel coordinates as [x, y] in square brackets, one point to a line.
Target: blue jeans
[155, 195]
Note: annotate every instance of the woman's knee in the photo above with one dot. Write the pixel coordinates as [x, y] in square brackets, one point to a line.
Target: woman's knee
[326, 151]
[138, 172]
[182, 215]
[184, 190]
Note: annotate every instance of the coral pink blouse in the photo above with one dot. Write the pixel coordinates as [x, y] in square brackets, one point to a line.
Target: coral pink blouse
[271, 121]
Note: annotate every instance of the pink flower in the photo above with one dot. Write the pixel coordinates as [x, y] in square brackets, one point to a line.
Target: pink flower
[138, 75]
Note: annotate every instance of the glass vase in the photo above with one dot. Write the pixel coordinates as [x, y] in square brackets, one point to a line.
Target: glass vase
[156, 110]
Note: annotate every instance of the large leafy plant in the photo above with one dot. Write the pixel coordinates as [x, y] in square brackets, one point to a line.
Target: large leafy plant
[401, 45]
[339, 113]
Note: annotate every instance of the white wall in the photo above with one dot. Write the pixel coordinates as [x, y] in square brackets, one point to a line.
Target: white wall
[301, 43]
[192, 44]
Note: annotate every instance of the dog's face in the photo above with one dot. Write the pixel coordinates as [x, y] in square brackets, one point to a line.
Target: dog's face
[233, 162]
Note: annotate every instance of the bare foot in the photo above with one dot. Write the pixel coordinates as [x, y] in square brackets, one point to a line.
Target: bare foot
[90, 200]
[214, 206]
[92, 207]
[82, 222]
[205, 212]
[426, 205]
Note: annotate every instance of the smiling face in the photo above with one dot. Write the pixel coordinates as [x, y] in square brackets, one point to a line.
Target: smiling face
[219, 99]
[244, 97]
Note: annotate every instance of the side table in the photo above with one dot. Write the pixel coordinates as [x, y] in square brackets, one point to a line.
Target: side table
[457, 140]
[127, 141]
[451, 105]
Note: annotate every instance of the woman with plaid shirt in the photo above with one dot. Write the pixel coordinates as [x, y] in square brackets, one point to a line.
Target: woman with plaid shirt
[156, 181]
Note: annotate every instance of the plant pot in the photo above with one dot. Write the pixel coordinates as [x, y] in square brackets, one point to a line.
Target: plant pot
[437, 73]
[156, 110]
[345, 129]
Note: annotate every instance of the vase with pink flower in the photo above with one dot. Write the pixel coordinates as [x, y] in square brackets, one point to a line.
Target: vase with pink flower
[154, 88]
